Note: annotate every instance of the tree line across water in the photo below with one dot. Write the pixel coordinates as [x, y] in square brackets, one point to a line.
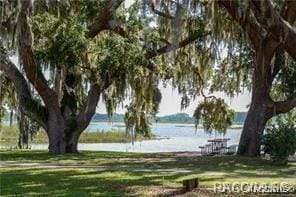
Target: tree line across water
[239, 118]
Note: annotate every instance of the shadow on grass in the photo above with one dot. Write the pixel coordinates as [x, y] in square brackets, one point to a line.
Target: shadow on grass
[120, 172]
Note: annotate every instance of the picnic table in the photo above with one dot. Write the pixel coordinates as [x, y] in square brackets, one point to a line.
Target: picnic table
[215, 146]
[219, 145]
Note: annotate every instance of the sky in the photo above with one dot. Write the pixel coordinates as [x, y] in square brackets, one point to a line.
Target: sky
[171, 102]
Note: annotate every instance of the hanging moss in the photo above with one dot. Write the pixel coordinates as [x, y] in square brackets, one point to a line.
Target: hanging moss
[27, 130]
[35, 106]
[215, 114]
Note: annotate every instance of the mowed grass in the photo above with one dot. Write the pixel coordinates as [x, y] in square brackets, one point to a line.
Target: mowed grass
[30, 173]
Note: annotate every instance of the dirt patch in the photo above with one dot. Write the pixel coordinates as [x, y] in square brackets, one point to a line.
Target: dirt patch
[160, 191]
[187, 154]
[154, 191]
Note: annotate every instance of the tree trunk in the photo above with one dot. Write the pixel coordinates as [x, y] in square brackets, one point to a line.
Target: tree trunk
[57, 145]
[72, 142]
[61, 144]
[56, 137]
[258, 114]
[261, 102]
[63, 141]
[250, 140]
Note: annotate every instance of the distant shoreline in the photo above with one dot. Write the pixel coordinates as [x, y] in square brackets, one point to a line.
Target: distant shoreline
[119, 124]
[178, 124]
[178, 118]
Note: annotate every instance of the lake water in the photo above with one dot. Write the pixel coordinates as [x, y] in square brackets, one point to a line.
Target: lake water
[170, 138]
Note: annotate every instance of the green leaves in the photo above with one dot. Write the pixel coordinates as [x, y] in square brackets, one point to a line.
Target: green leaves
[233, 74]
[215, 114]
[140, 112]
[280, 141]
[3, 49]
[287, 77]
[60, 44]
[58, 41]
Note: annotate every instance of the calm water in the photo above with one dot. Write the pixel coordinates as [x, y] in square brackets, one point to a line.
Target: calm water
[170, 138]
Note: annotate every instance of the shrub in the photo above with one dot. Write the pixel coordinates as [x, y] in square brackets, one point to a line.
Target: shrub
[280, 142]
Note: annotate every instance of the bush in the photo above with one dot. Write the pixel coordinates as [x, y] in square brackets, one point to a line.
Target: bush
[280, 142]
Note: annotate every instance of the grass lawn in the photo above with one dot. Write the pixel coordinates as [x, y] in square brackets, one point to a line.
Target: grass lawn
[119, 173]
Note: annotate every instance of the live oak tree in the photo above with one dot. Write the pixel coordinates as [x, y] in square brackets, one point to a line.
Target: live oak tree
[71, 53]
[257, 39]
[270, 27]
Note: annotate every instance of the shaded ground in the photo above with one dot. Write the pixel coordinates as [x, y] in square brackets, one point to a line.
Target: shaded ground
[119, 174]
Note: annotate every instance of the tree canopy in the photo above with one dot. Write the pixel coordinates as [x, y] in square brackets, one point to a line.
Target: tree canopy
[74, 52]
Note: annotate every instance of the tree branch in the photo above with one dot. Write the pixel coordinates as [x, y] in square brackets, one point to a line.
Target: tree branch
[106, 20]
[32, 70]
[89, 109]
[288, 11]
[252, 29]
[29, 106]
[171, 46]
[285, 106]
[279, 28]
[165, 15]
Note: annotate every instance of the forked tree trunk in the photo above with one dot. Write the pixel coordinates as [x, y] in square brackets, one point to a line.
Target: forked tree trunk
[49, 113]
[261, 102]
[60, 143]
[269, 46]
